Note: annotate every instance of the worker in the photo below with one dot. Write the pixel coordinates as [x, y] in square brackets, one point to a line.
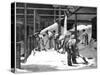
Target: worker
[50, 37]
[70, 48]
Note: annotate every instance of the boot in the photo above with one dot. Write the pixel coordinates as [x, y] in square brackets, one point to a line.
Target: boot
[69, 64]
[85, 61]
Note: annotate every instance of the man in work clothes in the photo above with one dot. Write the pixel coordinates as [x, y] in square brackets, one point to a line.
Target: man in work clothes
[50, 37]
[85, 37]
[70, 48]
[73, 51]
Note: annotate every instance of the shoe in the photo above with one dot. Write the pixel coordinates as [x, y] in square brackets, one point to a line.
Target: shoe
[69, 64]
[85, 61]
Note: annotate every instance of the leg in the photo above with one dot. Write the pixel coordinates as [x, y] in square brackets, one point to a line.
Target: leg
[43, 46]
[50, 42]
[69, 56]
[85, 61]
[74, 58]
[55, 45]
[74, 54]
[87, 40]
[69, 59]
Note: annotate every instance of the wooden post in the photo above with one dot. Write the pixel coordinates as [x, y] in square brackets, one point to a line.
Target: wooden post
[76, 29]
[25, 37]
[34, 20]
[34, 25]
[54, 14]
[59, 26]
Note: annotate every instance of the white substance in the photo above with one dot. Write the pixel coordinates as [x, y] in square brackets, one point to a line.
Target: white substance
[65, 25]
[50, 28]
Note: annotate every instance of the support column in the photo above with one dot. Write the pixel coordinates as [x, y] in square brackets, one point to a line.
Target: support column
[34, 20]
[34, 25]
[25, 37]
[76, 29]
[59, 26]
[54, 14]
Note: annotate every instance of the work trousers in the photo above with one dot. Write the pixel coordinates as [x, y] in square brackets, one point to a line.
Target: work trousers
[71, 58]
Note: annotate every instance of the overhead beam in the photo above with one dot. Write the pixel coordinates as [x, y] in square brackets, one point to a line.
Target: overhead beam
[59, 15]
[41, 8]
[73, 21]
[86, 13]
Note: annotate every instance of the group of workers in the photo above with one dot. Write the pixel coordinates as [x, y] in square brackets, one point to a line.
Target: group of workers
[42, 41]
[68, 44]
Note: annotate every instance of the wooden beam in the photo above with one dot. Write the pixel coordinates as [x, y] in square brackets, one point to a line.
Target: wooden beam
[83, 21]
[25, 37]
[57, 15]
[24, 14]
[49, 15]
[42, 9]
[86, 13]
